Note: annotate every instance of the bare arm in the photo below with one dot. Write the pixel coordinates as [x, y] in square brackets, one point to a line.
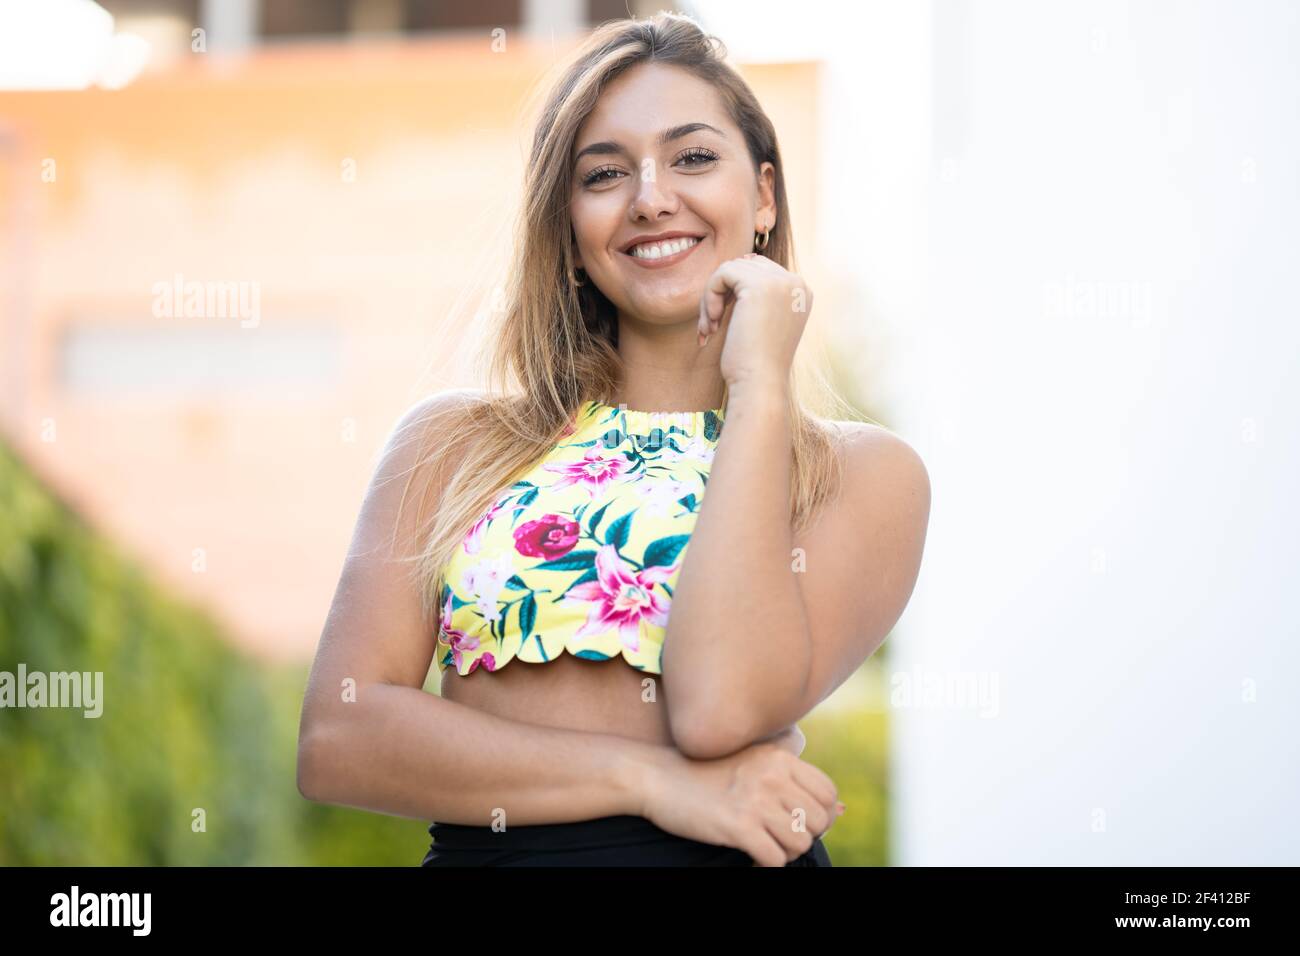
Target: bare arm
[402, 751]
[371, 737]
[726, 659]
[832, 609]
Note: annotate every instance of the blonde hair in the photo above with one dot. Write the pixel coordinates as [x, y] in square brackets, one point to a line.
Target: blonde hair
[557, 342]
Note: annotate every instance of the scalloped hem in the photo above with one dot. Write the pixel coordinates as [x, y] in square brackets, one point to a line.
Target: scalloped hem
[585, 654]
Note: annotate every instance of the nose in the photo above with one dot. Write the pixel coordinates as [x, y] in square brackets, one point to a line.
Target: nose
[651, 202]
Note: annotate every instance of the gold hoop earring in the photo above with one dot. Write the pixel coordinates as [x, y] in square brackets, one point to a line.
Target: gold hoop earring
[757, 246]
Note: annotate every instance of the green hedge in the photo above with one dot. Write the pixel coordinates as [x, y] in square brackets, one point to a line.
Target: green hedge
[189, 724]
[852, 748]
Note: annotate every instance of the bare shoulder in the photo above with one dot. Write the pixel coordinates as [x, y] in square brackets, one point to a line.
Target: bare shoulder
[421, 444]
[424, 423]
[431, 408]
[880, 463]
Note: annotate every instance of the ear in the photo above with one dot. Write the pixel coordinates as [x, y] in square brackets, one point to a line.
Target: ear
[766, 210]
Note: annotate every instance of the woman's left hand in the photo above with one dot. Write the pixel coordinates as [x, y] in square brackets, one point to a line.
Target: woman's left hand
[760, 309]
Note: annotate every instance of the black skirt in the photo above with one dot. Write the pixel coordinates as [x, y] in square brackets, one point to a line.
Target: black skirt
[607, 841]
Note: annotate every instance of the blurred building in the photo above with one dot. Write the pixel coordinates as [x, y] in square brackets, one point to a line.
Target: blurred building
[222, 283]
[238, 24]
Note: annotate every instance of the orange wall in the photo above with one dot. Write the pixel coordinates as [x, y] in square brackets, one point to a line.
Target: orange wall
[244, 497]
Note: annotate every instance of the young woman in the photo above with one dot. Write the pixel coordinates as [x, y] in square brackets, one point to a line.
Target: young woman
[650, 336]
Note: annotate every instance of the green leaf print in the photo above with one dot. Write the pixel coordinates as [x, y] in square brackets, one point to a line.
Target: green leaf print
[573, 561]
[498, 628]
[595, 519]
[662, 552]
[527, 614]
[712, 426]
[619, 530]
[591, 575]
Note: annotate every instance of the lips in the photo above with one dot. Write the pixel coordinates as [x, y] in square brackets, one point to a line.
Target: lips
[657, 237]
[663, 262]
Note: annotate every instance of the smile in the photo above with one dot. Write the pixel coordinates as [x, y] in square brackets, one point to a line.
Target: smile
[659, 255]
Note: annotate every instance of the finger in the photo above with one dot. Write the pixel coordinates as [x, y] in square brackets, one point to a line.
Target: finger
[780, 824]
[818, 816]
[816, 782]
[728, 301]
[819, 787]
[713, 325]
[763, 849]
[718, 293]
[715, 293]
[733, 297]
[725, 278]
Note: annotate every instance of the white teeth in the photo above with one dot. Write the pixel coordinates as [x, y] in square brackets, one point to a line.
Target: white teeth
[657, 250]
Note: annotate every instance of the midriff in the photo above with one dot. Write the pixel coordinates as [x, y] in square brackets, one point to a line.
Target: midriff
[570, 693]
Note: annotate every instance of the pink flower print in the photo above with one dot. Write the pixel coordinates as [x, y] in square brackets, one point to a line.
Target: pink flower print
[446, 614]
[621, 597]
[593, 472]
[486, 659]
[658, 495]
[485, 581]
[459, 641]
[550, 536]
[474, 540]
[461, 644]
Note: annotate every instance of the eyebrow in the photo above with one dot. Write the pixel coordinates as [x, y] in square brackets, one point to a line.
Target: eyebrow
[609, 147]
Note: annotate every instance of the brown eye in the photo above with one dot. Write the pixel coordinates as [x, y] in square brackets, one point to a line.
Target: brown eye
[598, 175]
[700, 154]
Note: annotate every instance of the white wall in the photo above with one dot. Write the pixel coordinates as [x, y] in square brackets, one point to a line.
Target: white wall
[1074, 226]
[1110, 407]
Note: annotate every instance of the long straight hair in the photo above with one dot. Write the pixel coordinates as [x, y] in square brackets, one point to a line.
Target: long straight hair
[555, 345]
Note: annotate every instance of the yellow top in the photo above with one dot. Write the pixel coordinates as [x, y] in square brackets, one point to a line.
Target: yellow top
[583, 552]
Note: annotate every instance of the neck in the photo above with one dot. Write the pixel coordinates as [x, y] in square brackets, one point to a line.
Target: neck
[665, 369]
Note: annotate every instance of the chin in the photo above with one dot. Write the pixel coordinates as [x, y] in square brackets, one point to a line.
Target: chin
[672, 303]
[663, 313]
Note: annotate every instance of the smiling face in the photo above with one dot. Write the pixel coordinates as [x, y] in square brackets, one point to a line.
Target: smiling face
[659, 155]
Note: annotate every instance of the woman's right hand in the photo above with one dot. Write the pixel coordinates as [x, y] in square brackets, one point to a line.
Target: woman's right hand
[749, 800]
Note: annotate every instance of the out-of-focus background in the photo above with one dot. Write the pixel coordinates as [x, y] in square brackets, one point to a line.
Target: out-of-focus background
[1053, 248]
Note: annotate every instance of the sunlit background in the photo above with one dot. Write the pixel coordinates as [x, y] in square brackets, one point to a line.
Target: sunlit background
[1052, 246]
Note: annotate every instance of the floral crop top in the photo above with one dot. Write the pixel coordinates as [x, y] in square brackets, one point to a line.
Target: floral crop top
[582, 553]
